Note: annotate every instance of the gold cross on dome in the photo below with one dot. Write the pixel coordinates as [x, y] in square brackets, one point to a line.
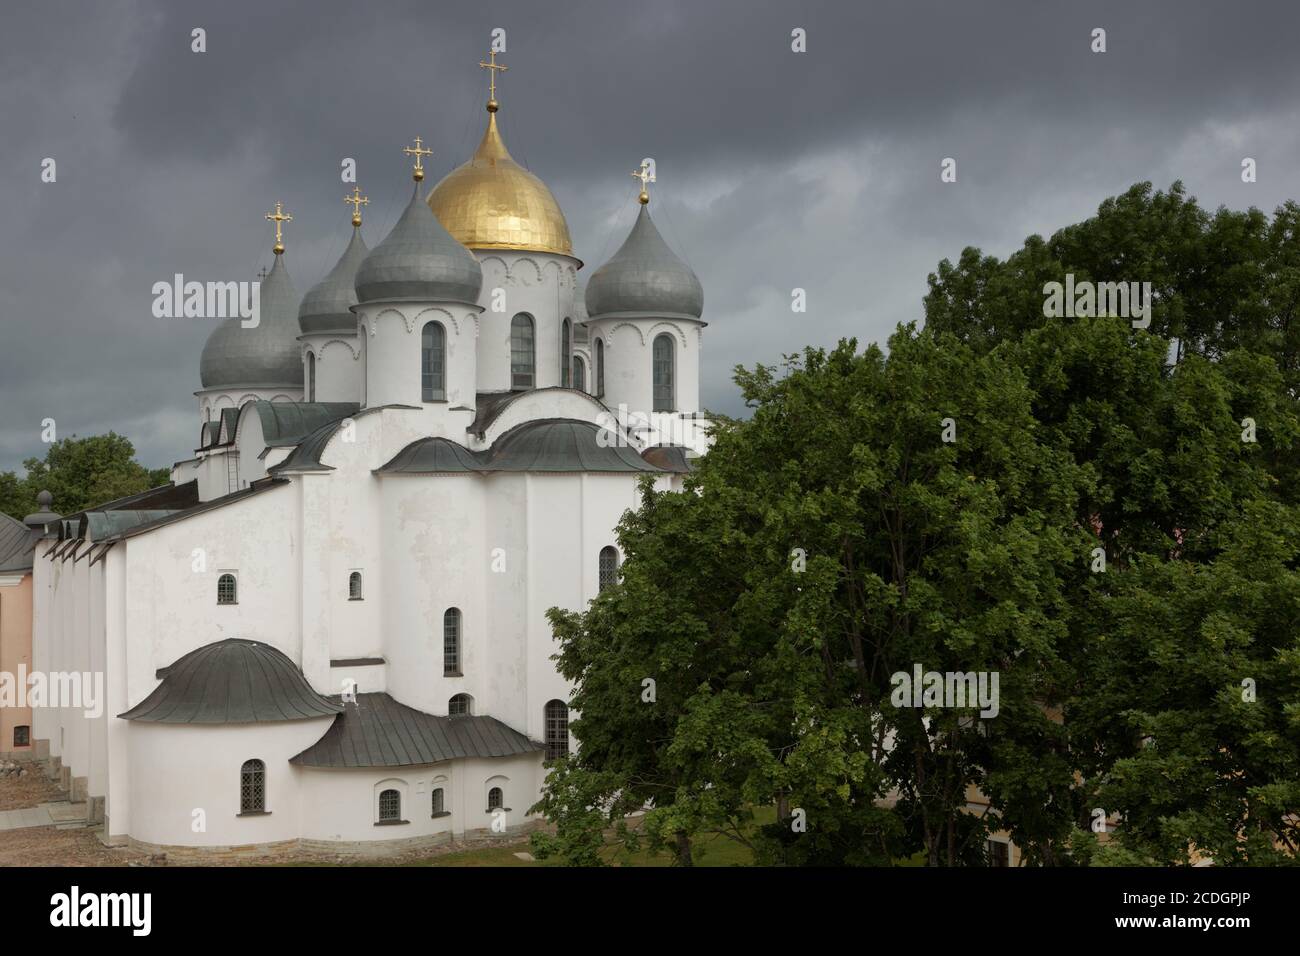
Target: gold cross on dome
[646, 177]
[493, 68]
[356, 200]
[418, 173]
[278, 217]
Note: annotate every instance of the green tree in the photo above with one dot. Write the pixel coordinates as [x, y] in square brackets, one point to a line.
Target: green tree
[80, 473]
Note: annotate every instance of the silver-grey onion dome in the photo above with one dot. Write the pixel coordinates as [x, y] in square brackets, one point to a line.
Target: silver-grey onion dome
[266, 354]
[327, 306]
[645, 277]
[419, 260]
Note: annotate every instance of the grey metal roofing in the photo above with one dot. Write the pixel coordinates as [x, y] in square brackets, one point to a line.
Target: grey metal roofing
[327, 306]
[562, 445]
[16, 541]
[265, 355]
[419, 259]
[288, 423]
[229, 422]
[168, 498]
[377, 731]
[307, 455]
[669, 458]
[208, 434]
[234, 681]
[644, 277]
[106, 524]
[433, 456]
[550, 445]
[488, 406]
[256, 488]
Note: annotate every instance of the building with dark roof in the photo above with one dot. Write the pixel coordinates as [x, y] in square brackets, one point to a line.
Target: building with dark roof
[331, 626]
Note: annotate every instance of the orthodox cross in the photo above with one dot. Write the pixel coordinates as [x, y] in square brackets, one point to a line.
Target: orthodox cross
[356, 200]
[493, 68]
[646, 177]
[278, 217]
[418, 173]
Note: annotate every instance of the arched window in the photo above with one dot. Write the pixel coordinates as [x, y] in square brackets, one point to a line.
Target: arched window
[521, 351]
[354, 586]
[462, 705]
[496, 799]
[451, 643]
[664, 397]
[608, 566]
[579, 373]
[252, 787]
[557, 729]
[600, 367]
[226, 590]
[311, 376]
[566, 353]
[390, 806]
[433, 362]
[437, 802]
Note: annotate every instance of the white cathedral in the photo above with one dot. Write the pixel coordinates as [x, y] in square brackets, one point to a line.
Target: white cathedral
[329, 630]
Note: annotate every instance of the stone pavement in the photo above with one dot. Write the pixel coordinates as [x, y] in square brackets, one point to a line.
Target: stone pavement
[26, 817]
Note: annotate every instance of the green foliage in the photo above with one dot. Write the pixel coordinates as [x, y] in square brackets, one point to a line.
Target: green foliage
[1120, 689]
[80, 473]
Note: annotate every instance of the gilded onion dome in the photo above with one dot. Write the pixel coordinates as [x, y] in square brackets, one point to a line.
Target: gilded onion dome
[491, 202]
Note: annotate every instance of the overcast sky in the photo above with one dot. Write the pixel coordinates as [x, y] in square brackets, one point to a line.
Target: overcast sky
[776, 169]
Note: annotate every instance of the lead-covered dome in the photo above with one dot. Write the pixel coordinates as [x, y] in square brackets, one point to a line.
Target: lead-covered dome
[265, 355]
[644, 278]
[491, 202]
[419, 260]
[327, 306]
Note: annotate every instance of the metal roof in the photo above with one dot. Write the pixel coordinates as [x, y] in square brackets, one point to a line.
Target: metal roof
[106, 524]
[16, 541]
[562, 445]
[266, 354]
[488, 406]
[234, 681]
[288, 423]
[327, 306]
[550, 445]
[419, 260]
[377, 731]
[433, 456]
[669, 458]
[644, 277]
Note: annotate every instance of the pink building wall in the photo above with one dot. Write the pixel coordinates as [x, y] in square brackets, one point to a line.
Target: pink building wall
[15, 650]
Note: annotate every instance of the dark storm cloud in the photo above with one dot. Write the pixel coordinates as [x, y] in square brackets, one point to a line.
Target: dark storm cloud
[777, 170]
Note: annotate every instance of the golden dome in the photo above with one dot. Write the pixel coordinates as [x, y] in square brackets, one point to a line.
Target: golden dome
[492, 202]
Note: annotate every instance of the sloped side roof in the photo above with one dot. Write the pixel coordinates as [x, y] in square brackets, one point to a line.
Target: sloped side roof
[377, 731]
[15, 545]
[234, 681]
[288, 423]
[669, 458]
[104, 524]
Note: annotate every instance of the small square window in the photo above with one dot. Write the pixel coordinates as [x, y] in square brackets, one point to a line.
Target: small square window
[22, 736]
